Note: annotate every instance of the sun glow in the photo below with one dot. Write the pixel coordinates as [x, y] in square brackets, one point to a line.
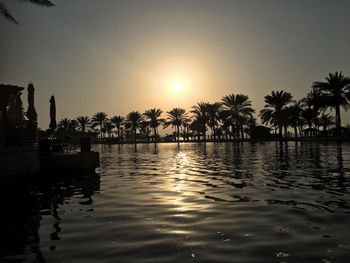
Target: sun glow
[177, 85]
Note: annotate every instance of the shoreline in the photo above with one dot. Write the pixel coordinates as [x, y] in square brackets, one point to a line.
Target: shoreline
[301, 139]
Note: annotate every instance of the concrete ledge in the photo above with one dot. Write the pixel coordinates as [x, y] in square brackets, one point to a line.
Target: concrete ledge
[70, 162]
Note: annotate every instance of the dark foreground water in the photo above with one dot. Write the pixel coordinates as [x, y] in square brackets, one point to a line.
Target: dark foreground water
[265, 202]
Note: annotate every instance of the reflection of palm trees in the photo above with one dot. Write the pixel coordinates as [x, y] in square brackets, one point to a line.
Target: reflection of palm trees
[6, 13]
[154, 120]
[274, 111]
[134, 120]
[340, 169]
[335, 92]
[83, 122]
[176, 117]
[238, 109]
[118, 121]
[99, 119]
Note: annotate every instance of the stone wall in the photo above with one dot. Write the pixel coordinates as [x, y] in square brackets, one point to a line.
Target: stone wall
[19, 160]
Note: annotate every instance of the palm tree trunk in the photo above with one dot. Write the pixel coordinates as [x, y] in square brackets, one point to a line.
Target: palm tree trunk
[214, 132]
[135, 135]
[286, 131]
[178, 133]
[337, 119]
[295, 131]
[155, 135]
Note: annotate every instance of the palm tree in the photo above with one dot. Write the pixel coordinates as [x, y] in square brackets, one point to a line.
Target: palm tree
[312, 105]
[145, 130]
[73, 125]
[309, 116]
[154, 120]
[196, 126]
[294, 114]
[213, 116]
[273, 112]
[186, 129]
[239, 109]
[64, 124]
[7, 15]
[134, 120]
[226, 123]
[200, 112]
[251, 126]
[336, 93]
[99, 119]
[117, 121]
[109, 128]
[326, 121]
[176, 117]
[83, 122]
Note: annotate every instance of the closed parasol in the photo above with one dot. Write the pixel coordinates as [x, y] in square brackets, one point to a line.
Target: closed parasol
[53, 124]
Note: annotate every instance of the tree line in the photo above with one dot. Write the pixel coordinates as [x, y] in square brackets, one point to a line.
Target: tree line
[231, 118]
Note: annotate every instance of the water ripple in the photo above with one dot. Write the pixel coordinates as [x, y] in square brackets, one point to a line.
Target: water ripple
[213, 202]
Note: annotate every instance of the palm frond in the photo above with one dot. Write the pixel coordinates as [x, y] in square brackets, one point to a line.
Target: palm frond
[6, 14]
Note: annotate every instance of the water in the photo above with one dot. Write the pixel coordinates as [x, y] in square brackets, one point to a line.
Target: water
[264, 202]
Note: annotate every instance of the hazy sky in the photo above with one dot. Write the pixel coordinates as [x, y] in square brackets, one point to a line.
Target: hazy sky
[118, 56]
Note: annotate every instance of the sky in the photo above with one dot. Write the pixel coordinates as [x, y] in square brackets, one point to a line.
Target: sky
[118, 56]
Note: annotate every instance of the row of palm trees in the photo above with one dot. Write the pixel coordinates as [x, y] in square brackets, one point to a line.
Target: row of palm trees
[281, 111]
[231, 118]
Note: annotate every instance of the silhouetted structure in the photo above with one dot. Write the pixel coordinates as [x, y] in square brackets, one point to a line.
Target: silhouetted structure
[31, 112]
[53, 123]
[261, 132]
[11, 113]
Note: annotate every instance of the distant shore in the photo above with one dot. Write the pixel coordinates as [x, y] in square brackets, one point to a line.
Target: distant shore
[299, 139]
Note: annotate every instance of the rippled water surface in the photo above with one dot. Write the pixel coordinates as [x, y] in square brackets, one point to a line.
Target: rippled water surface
[264, 202]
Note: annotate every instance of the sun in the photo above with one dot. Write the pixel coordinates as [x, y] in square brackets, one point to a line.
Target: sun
[177, 85]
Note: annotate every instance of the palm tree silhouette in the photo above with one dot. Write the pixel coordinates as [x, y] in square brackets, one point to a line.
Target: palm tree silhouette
[83, 122]
[176, 117]
[153, 117]
[213, 116]
[134, 120]
[312, 104]
[200, 112]
[335, 92]
[73, 125]
[251, 126]
[239, 109]
[117, 121]
[7, 15]
[294, 116]
[64, 125]
[99, 119]
[273, 112]
[326, 121]
[109, 128]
